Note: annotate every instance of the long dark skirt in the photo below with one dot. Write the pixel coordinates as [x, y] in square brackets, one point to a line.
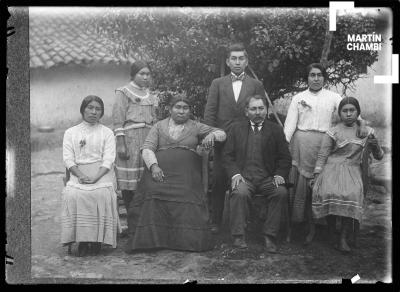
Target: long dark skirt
[172, 214]
[304, 148]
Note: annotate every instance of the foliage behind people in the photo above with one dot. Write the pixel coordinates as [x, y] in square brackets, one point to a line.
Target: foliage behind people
[186, 47]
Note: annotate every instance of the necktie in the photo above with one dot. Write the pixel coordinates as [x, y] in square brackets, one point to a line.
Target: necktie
[256, 130]
[237, 78]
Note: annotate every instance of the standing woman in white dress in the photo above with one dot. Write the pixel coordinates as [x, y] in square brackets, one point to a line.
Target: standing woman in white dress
[89, 202]
[134, 113]
[311, 113]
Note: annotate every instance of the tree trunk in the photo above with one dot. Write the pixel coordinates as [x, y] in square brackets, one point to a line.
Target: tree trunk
[327, 46]
[268, 99]
[222, 61]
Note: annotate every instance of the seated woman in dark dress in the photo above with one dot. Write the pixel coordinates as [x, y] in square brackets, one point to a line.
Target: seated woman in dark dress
[169, 209]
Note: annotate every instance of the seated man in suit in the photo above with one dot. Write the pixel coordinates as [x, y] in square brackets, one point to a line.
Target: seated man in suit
[257, 159]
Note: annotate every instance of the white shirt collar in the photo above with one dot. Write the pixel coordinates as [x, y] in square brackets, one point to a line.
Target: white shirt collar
[315, 93]
[88, 125]
[259, 125]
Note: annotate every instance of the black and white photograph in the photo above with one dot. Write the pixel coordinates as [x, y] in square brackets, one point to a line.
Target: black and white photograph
[207, 145]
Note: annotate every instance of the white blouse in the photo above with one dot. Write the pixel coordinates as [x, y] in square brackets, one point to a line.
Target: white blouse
[312, 111]
[86, 143]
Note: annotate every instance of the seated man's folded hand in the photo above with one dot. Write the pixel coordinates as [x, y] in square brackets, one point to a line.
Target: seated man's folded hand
[278, 180]
[236, 180]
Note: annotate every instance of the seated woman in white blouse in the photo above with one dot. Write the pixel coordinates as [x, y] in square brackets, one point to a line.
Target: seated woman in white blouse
[311, 113]
[89, 202]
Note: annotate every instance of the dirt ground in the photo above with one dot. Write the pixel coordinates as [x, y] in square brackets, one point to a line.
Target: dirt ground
[372, 261]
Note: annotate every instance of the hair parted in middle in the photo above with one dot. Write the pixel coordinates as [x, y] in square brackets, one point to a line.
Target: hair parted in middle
[263, 98]
[179, 97]
[137, 66]
[349, 100]
[317, 66]
[88, 99]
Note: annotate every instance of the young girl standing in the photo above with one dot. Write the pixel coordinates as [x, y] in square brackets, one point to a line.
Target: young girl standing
[338, 188]
[134, 113]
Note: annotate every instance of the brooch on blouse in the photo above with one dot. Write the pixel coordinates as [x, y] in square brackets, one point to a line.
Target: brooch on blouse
[82, 142]
[304, 104]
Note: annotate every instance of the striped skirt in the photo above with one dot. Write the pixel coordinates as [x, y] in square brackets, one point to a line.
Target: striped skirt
[129, 172]
[338, 191]
[90, 212]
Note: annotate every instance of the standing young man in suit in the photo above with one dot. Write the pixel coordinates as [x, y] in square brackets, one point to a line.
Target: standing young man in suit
[257, 159]
[225, 105]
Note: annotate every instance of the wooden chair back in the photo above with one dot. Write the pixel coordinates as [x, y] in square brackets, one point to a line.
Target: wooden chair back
[66, 177]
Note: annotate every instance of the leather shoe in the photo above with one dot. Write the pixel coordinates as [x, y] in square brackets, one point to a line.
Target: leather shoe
[269, 244]
[214, 229]
[239, 242]
[124, 233]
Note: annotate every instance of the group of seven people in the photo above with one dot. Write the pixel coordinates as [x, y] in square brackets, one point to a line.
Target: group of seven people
[311, 167]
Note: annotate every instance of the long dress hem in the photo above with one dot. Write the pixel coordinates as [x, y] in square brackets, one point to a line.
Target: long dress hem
[171, 214]
[89, 212]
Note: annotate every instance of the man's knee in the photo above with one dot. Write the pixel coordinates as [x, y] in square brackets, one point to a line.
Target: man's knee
[282, 193]
[242, 192]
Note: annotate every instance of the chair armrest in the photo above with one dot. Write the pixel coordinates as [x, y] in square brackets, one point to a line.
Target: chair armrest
[204, 170]
[67, 176]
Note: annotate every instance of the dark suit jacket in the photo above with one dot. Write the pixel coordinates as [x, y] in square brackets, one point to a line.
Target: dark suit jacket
[275, 149]
[221, 108]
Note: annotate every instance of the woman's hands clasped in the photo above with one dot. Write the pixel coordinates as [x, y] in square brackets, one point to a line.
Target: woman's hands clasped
[84, 179]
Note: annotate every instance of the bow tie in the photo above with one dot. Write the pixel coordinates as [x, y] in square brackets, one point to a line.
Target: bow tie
[237, 78]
